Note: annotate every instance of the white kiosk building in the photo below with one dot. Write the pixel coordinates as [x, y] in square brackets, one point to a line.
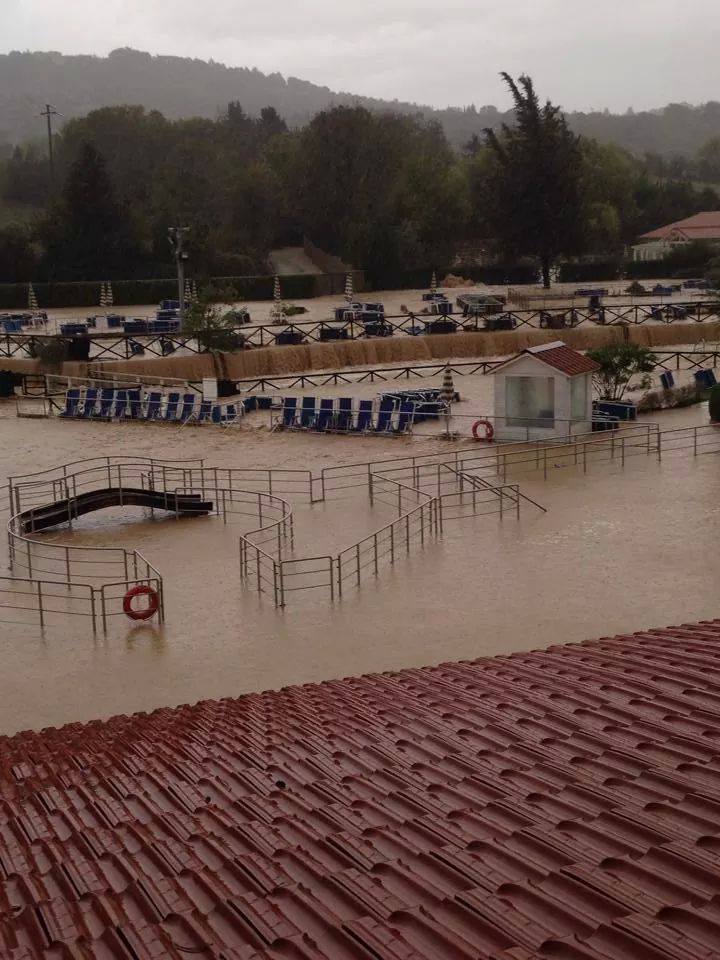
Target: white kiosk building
[544, 393]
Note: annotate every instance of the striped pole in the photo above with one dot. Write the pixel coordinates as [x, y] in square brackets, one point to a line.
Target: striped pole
[433, 283]
[194, 293]
[187, 293]
[349, 295]
[103, 296]
[108, 295]
[32, 299]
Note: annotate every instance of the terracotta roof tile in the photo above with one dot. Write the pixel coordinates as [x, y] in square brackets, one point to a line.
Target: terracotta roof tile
[705, 225]
[559, 356]
[553, 803]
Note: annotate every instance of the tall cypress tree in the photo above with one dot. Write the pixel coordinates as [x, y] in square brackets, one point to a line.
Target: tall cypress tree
[88, 236]
[533, 197]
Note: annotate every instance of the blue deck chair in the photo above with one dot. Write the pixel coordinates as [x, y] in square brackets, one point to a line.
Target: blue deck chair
[188, 407]
[307, 413]
[107, 396]
[72, 401]
[233, 412]
[406, 416]
[289, 411]
[325, 415]
[385, 415]
[88, 407]
[216, 414]
[171, 410]
[364, 417]
[135, 404]
[121, 404]
[203, 414]
[250, 403]
[152, 411]
[264, 403]
[343, 417]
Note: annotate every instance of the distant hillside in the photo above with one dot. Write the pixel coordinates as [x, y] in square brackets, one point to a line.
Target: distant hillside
[181, 87]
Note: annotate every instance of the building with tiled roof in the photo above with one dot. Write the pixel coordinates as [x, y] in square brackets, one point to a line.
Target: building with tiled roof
[543, 393]
[658, 243]
[553, 804]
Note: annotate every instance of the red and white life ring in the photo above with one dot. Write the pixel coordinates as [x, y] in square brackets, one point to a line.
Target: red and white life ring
[146, 612]
[489, 430]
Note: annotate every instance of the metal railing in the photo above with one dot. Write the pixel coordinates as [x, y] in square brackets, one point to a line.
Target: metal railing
[122, 346]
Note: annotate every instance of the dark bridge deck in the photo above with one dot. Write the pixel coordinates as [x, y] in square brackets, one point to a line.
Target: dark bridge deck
[183, 504]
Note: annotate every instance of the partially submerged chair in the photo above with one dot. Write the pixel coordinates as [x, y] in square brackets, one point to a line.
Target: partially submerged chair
[107, 396]
[152, 411]
[385, 415]
[72, 401]
[289, 412]
[405, 417]
[344, 415]
[188, 407]
[135, 404]
[364, 417]
[325, 414]
[171, 410]
[120, 407]
[88, 407]
[307, 413]
[205, 411]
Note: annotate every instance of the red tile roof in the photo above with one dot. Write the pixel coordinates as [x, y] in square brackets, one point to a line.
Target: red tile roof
[561, 803]
[559, 356]
[701, 226]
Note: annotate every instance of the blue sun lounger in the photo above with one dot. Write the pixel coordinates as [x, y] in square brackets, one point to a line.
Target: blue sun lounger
[188, 407]
[405, 417]
[204, 412]
[89, 403]
[385, 415]
[171, 410]
[107, 396]
[72, 401]
[325, 414]
[152, 411]
[121, 404]
[344, 415]
[135, 404]
[289, 411]
[307, 413]
[231, 413]
[364, 417]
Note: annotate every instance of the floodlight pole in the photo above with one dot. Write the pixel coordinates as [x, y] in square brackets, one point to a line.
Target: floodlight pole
[176, 235]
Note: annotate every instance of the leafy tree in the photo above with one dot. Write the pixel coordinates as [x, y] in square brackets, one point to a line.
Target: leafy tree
[535, 205]
[708, 161]
[18, 254]
[618, 364]
[212, 328]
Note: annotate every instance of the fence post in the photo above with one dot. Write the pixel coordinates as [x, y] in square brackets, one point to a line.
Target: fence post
[392, 543]
[502, 494]
[371, 488]
[585, 456]
[622, 450]
[544, 465]
[407, 533]
[517, 501]
[399, 500]
[40, 605]
[339, 570]
[694, 441]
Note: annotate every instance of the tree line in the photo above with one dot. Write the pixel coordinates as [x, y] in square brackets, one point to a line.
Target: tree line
[384, 191]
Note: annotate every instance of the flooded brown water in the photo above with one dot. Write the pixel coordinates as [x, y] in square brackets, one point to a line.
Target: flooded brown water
[617, 551]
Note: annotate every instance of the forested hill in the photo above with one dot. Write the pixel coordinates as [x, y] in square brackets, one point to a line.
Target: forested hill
[182, 87]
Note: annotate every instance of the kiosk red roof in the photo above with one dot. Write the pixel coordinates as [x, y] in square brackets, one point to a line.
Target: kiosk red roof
[561, 803]
[559, 356]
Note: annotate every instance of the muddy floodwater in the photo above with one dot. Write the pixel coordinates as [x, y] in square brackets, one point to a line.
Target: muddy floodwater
[618, 550]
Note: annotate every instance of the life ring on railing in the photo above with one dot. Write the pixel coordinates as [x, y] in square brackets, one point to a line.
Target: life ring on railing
[489, 430]
[146, 612]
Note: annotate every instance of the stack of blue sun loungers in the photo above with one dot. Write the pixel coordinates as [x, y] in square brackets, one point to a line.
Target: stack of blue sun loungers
[329, 415]
[108, 403]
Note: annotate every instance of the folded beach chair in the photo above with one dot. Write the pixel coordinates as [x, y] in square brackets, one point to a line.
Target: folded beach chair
[217, 414]
[120, 408]
[344, 415]
[289, 411]
[233, 413]
[72, 401]
[89, 403]
[307, 413]
[364, 417]
[135, 404]
[188, 407]
[405, 417]
[325, 414]
[171, 410]
[107, 396]
[152, 412]
[385, 415]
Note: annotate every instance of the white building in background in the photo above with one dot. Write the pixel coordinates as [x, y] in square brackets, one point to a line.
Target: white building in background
[544, 393]
[657, 244]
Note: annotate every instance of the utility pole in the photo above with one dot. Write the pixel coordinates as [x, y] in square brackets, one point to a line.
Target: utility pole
[49, 112]
[176, 236]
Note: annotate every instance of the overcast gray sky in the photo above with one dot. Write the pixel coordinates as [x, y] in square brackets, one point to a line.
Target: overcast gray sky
[584, 54]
